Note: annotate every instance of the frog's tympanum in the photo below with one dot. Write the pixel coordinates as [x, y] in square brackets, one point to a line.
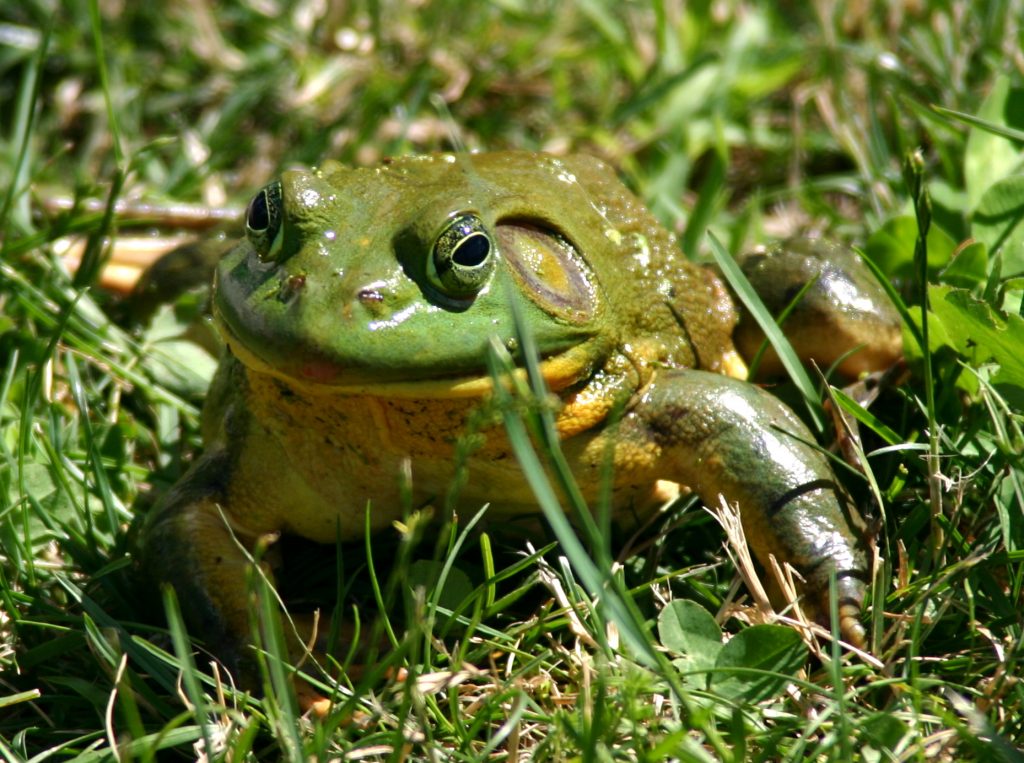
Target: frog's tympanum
[357, 312]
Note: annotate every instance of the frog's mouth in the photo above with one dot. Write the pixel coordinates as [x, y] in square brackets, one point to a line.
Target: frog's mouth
[560, 369]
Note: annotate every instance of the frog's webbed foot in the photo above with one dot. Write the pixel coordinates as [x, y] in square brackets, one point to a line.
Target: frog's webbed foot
[724, 437]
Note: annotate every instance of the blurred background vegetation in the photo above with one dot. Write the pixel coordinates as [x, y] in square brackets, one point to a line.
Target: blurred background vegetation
[809, 107]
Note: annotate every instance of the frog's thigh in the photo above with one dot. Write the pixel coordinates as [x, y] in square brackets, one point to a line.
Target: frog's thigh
[189, 545]
[725, 437]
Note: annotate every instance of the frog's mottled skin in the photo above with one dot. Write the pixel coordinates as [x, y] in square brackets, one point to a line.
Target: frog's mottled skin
[349, 357]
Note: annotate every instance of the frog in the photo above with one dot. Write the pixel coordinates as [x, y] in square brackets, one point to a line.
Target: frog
[357, 313]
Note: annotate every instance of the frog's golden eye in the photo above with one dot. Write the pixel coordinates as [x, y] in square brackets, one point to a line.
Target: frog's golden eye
[463, 257]
[263, 222]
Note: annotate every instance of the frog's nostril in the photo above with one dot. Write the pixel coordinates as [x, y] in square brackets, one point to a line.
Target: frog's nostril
[370, 295]
[291, 287]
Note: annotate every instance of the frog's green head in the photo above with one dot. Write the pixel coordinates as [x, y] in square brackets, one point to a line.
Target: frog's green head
[401, 274]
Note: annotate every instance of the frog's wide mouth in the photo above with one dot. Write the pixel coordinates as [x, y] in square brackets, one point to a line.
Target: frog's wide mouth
[318, 374]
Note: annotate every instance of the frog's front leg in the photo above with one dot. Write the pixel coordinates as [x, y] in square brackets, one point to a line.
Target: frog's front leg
[188, 544]
[725, 437]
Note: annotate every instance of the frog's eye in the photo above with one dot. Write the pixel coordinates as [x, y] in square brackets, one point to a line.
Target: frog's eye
[463, 257]
[263, 222]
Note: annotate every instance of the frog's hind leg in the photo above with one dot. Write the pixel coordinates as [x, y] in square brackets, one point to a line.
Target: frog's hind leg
[843, 316]
[724, 437]
[188, 544]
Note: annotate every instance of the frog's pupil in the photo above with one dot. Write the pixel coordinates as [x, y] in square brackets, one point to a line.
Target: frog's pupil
[472, 251]
[263, 221]
[259, 217]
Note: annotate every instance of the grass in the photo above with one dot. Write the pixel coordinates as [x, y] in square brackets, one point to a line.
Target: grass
[752, 121]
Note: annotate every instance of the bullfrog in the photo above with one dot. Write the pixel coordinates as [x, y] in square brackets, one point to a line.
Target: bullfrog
[356, 314]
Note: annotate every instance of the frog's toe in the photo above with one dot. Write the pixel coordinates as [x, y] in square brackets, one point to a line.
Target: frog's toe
[849, 593]
[850, 626]
[310, 699]
[851, 599]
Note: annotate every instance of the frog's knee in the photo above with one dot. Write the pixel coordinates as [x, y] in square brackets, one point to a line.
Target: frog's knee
[844, 317]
